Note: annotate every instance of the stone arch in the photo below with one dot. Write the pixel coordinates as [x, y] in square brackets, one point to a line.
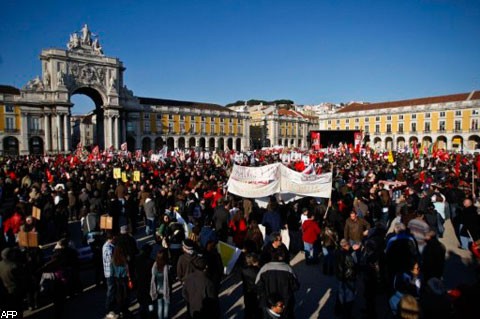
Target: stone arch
[400, 142]
[131, 143]
[292, 142]
[221, 144]
[413, 141]
[426, 141]
[230, 143]
[146, 144]
[171, 144]
[192, 142]
[457, 142]
[181, 143]
[202, 143]
[10, 145]
[98, 99]
[211, 144]
[377, 143]
[238, 144]
[159, 143]
[473, 142]
[442, 142]
[35, 145]
[389, 143]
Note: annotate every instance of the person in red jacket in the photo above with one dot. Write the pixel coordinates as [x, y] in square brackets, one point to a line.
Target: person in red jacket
[310, 235]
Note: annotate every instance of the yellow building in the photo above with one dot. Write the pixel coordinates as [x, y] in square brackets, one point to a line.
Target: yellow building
[450, 120]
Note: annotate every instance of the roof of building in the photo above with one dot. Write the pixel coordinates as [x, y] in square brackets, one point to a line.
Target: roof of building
[8, 89]
[199, 105]
[292, 113]
[355, 107]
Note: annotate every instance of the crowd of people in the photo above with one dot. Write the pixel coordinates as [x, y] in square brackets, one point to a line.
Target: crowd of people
[379, 230]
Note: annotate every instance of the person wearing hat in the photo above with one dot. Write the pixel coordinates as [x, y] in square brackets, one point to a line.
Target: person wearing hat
[184, 264]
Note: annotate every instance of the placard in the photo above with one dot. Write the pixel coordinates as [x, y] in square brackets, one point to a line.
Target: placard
[117, 173]
[36, 212]
[124, 177]
[136, 176]
[27, 239]
[106, 222]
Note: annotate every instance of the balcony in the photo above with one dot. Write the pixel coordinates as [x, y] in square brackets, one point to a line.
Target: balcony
[457, 130]
[474, 130]
[442, 130]
[427, 131]
[12, 130]
[36, 132]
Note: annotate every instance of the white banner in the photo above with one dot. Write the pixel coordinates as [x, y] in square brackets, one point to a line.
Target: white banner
[255, 182]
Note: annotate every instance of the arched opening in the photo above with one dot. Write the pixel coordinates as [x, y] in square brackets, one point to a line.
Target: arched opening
[457, 143]
[279, 142]
[389, 143]
[299, 143]
[202, 143]
[426, 141]
[230, 143]
[87, 107]
[211, 144]
[267, 142]
[442, 142]
[10, 145]
[170, 144]
[221, 144]
[377, 143]
[35, 146]
[238, 145]
[159, 143]
[400, 143]
[473, 142]
[181, 143]
[131, 142]
[413, 142]
[146, 144]
[192, 142]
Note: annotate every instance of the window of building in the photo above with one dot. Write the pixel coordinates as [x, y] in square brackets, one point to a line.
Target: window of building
[338, 122]
[427, 127]
[414, 116]
[377, 118]
[347, 121]
[414, 127]
[35, 124]
[458, 125]
[221, 120]
[203, 118]
[9, 108]
[329, 121]
[367, 119]
[170, 127]
[182, 127]
[442, 114]
[146, 116]
[230, 128]
[427, 115]
[192, 118]
[347, 127]
[146, 125]
[389, 128]
[204, 128]
[170, 116]
[458, 113]
[159, 116]
[400, 127]
[357, 120]
[131, 126]
[400, 117]
[192, 128]
[377, 128]
[389, 117]
[367, 129]
[475, 112]
[356, 127]
[441, 126]
[9, 123]
[474, 124]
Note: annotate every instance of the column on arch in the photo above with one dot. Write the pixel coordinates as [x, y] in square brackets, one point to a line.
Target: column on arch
[107, 125]
[48, 133]
[116, 131]
[67, 133]
[24, 137]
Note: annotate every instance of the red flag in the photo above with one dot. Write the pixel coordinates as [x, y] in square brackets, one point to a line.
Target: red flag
[49, 176]
[457, 166]
[478, 165]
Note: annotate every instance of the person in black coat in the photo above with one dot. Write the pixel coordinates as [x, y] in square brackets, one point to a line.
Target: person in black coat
[250, 296]
[468, 222]
[433, 257]
[143, 273]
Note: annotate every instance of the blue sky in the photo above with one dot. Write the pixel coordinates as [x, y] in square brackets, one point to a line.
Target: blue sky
[310, 51]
